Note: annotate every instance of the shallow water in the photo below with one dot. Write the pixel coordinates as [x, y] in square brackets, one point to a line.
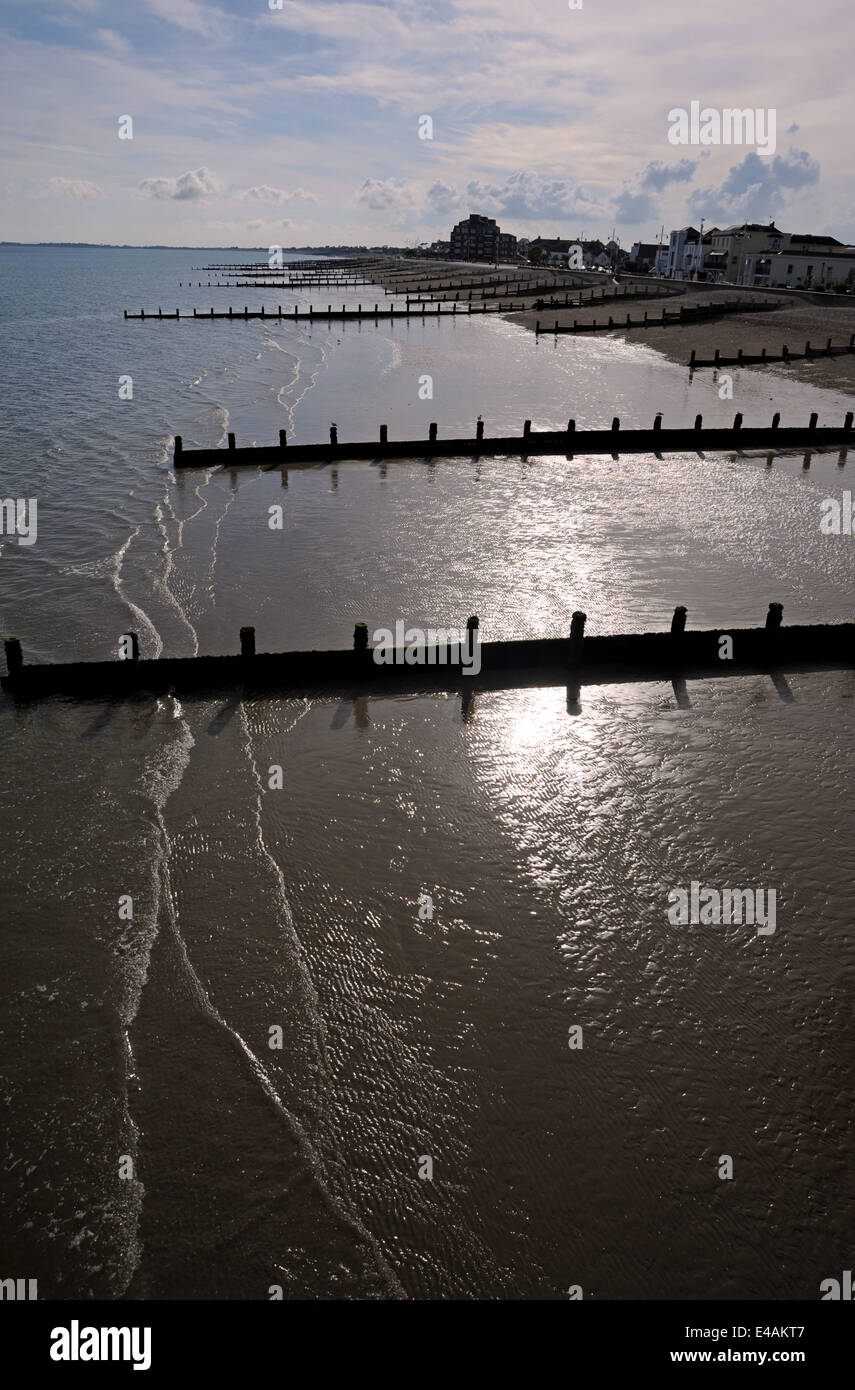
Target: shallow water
[547, 841]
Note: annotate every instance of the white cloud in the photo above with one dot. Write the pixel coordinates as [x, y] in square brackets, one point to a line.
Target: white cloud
[79, 189]
[197, 18]
[197, 185]
[116, 43]
[381, 195]
[264, 193]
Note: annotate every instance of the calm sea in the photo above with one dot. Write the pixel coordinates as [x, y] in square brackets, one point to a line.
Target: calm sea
[435, 898]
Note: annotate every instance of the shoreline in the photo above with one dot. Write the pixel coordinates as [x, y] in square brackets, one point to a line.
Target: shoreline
[793, 324]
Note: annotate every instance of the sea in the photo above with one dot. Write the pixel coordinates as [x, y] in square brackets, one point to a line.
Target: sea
[380, 998]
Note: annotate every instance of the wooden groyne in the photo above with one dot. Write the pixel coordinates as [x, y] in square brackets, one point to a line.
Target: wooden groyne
[313, 315]
[498, 288]
[764, 358]
[687, 313]
[590, 298]
[567, 442]
[446, 664]
[292, 285]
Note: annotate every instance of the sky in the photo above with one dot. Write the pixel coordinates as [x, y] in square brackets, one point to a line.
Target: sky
[300, 122]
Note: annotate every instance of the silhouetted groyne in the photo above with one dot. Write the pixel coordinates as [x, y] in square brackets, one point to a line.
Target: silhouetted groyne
[469, 665]
[687, 313]
[567, 442]
[330, 314]
[747, 359]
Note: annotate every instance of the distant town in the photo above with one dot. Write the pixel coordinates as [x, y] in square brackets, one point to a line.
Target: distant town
[748, 253]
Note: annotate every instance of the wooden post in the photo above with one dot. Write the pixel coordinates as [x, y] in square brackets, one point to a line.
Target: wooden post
[737, 421]
[432, 432]
[577, 634]
[776, 419]
[692, 359]
[179, 445]
[384, 434]
[526, 428]
[14, 656]
[333, 434]
[699, 420]
[360, 638]
[847, 423]
[678, 622]
[657, 423]
[283, 439]
[774, 616]
[479, 429]
[231, 440]
[813, 419]
[616, 424]
[247, 642]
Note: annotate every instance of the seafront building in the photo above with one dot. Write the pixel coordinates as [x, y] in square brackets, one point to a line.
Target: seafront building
[758, 255]
[479, 238]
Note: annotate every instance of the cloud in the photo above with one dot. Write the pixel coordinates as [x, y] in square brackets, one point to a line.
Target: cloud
[631, 207]
[117, 43]
[79, 189]
[264, 193]
[256, 224]
[754, 189]
[196, 18]
[197, 185]
[381, 195]
[528, 197]
[658, 175]
[635, 202]
[443, 198]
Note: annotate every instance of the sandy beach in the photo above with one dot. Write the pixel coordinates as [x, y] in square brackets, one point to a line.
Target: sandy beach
[795, 323]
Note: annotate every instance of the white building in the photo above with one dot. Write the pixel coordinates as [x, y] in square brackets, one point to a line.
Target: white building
[678, 243]
[809, 261]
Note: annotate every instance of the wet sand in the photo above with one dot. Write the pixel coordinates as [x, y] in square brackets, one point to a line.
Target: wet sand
[795, 322]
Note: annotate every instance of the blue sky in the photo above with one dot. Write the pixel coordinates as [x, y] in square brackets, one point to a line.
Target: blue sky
[256, 125]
